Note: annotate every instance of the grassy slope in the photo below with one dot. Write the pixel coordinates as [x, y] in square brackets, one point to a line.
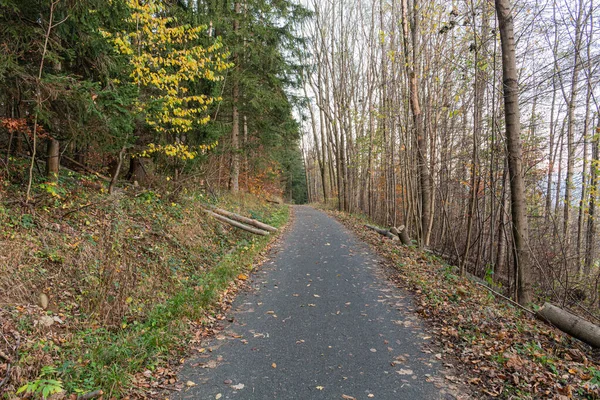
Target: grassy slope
[130, 279]
[500, 351]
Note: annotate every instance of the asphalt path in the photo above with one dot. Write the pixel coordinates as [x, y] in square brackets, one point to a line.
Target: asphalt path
[320, 322]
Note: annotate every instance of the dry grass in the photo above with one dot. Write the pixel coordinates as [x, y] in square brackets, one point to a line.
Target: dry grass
[113, 268]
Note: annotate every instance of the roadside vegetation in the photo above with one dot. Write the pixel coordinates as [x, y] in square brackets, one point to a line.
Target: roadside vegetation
[105, 292]
[492, 347]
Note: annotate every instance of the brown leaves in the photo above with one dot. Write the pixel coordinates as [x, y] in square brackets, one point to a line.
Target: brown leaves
[495, 350]
[514, 362]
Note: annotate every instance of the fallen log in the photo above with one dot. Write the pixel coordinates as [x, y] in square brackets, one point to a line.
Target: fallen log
[400, 231]
[571, 324]
[237, 224]
[90, 395]
[245, 220]
[383, 232]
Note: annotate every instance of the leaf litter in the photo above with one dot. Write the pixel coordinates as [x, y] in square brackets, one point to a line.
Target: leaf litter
[489, 346]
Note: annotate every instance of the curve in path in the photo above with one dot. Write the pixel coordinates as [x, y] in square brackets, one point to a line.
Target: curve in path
[321, 322]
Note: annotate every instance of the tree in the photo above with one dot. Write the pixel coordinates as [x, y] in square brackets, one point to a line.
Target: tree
[514, 148]
[166, 58]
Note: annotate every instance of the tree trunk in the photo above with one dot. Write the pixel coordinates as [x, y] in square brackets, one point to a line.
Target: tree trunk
[136, 173]
[571, 324]
[231, 222]
[594, 189]
[116, 172]
[424, 192]
[53, 160]
[383, 232]
[571, 129]
[234, 176]
[401, 232]
[515, 153]
[245, 220]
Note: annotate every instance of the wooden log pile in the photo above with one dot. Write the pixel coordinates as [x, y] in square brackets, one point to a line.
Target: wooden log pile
[239, 221]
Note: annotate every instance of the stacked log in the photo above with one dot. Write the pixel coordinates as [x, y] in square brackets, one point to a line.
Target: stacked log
[241, 222]
[245, 220]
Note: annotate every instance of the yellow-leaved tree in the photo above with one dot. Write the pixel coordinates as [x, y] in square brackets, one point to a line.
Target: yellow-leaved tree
[166, 57]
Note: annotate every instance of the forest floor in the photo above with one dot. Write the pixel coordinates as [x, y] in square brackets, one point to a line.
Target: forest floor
[105, 292]
[498, 350]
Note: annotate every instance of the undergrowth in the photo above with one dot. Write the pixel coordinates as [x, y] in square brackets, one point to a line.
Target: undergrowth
[100, 292]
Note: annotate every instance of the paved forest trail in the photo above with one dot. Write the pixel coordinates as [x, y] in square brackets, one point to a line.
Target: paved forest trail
[321, 322]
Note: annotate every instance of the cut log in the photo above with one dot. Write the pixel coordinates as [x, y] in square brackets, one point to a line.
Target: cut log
[383, 232]
[571, 324]
[237, 224]
[245, 220]
[400, 231]
[90, 395]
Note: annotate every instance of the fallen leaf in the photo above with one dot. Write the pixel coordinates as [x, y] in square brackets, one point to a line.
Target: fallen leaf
[239, 386]
[370, 395]
[346, 397]
[320, 388]
[274, 365]
[405, 372]
[190, 384]
[218, 396]
[242, 277]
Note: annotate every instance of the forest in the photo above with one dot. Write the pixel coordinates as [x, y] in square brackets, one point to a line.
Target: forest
[136, 90]
[409, 124]
[131, 130]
